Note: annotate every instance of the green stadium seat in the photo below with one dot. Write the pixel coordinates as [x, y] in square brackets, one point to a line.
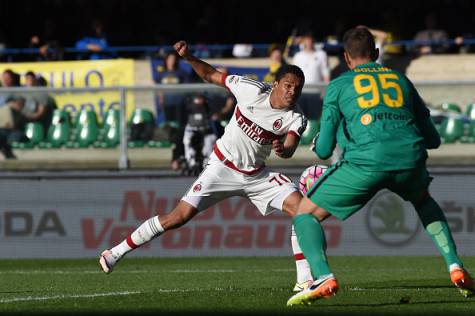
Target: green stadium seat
[451, 107]
[159, 144]
[469, 134]
[86, 131]
[59, 131]
[87, 135]
[169, 124]
[136, 143]
[141, 116]
[35, 134]
[142, 125]
[109, 134]
[470, 111]
[452, 129]
[112, 117]
[86, 117]
[111, 137]
[313, 126]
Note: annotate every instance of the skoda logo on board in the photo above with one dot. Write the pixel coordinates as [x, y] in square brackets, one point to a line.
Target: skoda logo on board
[390, 220]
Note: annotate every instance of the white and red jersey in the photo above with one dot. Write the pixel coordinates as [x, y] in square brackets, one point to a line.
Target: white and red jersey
[247, 140]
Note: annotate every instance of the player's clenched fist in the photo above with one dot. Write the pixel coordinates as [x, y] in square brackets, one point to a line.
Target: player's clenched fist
[181, 48]
[278, 147]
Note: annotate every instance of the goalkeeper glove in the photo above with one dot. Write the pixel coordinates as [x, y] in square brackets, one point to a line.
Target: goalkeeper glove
[313, 147]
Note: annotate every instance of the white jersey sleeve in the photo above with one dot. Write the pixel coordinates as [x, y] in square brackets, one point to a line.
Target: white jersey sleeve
[244, 89]
[299, 124]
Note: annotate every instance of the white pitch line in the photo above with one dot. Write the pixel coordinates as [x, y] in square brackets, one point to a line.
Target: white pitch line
[55, 297]
[28, 272]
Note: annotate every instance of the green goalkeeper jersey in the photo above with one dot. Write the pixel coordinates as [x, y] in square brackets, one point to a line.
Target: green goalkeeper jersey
[381, 120]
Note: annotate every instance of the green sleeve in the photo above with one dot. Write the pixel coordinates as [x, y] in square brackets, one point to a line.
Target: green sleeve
[424, 122]
[331, 117]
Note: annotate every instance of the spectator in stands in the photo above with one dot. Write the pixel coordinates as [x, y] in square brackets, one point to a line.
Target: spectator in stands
[48, 48]
[171, 103]
[276, 56]
[9, 79]
[431, 33]
[460, 43]
[10, 129]
[95, 43]
[314, 64]
[38, 107]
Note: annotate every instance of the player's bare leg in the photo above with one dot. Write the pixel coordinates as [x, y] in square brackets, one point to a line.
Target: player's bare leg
[312, 240]
[150, 229]
[304, 274]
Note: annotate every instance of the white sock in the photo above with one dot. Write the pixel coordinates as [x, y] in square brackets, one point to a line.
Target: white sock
[454, 266]
[150, 229]
[303, 268]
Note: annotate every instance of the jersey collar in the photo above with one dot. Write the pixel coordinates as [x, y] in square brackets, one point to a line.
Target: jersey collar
[370, 64]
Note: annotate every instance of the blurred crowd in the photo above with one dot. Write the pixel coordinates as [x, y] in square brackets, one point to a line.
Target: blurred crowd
[194, 121]
[120, 28]
[19, 108]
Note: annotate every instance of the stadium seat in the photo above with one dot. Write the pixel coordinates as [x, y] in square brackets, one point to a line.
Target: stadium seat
[112, 117]
[313, 126]
[451, 107]
[86, 130]
[59, 131]
[470, 111]
[141, 116]
[136, 144]
[87, 135]
[111, 137]
[35, 134]
[86, 117]
[159, 144]
[142, 126]
[109, 134]
[469, 133]
[452, 129]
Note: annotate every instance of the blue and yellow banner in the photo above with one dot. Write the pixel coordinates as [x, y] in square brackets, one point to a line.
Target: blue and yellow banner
[88, 73]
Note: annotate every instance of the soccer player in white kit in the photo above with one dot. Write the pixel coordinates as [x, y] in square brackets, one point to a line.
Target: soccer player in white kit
[265, 118]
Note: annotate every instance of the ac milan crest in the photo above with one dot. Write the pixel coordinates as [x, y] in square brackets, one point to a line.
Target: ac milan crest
[277, 124]
[197, 187]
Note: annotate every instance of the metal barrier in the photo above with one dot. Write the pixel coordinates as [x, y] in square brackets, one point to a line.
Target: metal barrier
[214, 49]
[434, 92]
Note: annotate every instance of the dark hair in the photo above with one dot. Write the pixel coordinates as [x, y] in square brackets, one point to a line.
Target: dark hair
[30, 73]
[359, 42]
[9, 71]
[290, 69]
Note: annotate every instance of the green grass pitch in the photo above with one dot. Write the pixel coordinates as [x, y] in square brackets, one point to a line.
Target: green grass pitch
[204, 286]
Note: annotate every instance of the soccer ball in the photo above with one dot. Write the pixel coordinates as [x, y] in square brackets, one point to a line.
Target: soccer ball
[309, 176]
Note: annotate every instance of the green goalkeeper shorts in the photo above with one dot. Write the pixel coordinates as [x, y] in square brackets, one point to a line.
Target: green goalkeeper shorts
[345, 187]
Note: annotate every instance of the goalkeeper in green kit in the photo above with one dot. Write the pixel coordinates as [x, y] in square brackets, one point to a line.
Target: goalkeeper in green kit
[386, 133]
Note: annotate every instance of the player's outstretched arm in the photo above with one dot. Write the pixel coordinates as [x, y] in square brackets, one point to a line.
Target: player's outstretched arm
[206, 72]
[287, 148]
